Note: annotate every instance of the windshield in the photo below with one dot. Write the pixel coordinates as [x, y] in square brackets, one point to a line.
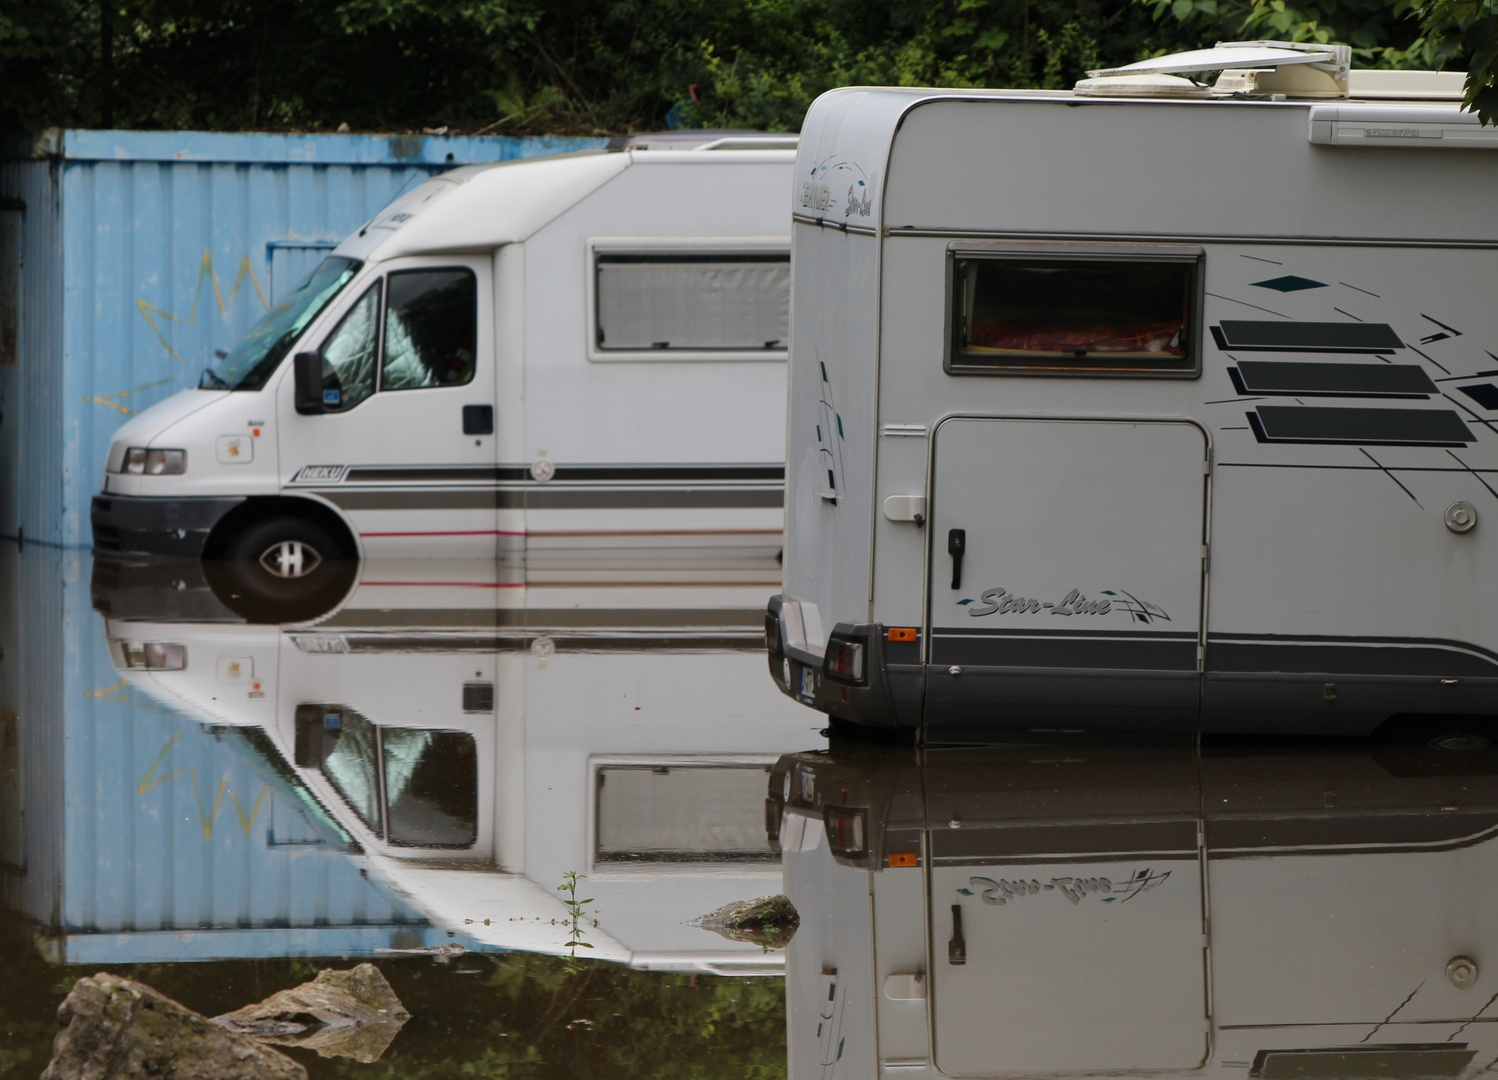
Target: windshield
[254, 359]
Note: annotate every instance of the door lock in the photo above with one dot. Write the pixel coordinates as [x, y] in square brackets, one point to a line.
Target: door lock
[956, 546]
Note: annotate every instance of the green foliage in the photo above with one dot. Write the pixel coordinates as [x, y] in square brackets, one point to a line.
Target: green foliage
[1469, 28]
[527, 66]
[608, 66]
[577, 910]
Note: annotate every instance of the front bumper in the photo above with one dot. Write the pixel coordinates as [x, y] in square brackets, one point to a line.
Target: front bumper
[175, 527]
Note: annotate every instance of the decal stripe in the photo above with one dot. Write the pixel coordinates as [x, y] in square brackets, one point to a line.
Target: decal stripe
[1373, 427]
[556, 499]
[1258, 335]
[541, 618]
[1332, 379]
[522, 473]
[1071, 839]
[1117, 654]
[743, 641]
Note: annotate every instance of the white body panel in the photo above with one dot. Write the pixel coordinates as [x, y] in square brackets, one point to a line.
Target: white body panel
[1333, 593]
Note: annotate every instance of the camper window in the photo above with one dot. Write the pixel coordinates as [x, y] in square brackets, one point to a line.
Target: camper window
[347, 752]
[431, 787]
[431, 329]
[692, 302]
[351, 350]
[1094, 314]
[670, 813]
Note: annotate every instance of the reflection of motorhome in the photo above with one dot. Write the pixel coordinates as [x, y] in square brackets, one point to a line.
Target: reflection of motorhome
[583, 351]
[1056, 371]
[475, 765]
[1074, 911]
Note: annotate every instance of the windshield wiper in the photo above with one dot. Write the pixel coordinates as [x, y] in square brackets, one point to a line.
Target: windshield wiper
[211, 380]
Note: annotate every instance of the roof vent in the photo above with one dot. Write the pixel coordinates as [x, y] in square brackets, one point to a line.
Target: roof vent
[1260, 69]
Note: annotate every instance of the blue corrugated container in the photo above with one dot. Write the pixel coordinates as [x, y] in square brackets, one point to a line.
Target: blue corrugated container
[131, 833]
[128, 257]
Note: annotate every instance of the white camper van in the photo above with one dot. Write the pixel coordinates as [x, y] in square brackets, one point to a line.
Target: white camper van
[1084, 911]
[467, 769]
[571, 352]
[1145, 405]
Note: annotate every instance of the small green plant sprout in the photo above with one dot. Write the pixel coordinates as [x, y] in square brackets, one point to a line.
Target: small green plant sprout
[576, 911]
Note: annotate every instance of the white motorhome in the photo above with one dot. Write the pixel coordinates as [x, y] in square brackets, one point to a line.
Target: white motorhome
[469, 768]
[1085, 911]
[567, 353]
[1145, 405]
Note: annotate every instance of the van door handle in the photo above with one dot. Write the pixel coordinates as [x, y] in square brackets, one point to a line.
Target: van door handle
[956, 545]
[957, 946]
[478, 419]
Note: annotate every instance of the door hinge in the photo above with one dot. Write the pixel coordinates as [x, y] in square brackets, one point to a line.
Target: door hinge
[1206, 557]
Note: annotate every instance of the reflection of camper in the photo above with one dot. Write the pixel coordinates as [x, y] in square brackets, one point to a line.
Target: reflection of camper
[542, 352]
[1075, 910]
[1072, 445]
[475, 764]
[129, 833]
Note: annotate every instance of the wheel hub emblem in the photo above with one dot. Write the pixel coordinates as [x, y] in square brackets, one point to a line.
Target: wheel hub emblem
[290, 559]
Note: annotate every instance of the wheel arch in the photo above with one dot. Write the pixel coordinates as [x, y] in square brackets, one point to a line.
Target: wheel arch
[261, 507]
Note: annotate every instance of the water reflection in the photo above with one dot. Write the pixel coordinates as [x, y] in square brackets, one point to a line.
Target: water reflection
[422, 764]
[1269, 912]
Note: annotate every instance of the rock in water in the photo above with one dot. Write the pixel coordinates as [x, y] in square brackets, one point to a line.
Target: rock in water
[350, 1013]
[113, 1028]
[769, 922]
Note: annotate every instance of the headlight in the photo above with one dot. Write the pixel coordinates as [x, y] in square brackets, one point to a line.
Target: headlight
[153, 655]
[140, 460]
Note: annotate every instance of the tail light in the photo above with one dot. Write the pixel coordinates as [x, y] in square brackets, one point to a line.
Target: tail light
[847, 830]
[844, 661]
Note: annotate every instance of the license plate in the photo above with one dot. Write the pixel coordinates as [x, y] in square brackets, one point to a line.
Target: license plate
[808, 682]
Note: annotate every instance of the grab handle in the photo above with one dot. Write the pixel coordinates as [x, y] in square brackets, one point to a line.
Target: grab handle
[956, 546]
[957, 947]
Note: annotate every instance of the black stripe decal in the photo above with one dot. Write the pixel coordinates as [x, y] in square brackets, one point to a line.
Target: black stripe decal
[557, 499]
[1069, 634]
[1366, 427]
[1262, 335]
[615, 473]
[1395, 659]
[544, 618]
[748, 640]
[1331, 379]
[1323, 831]
[1116, 654]
[1485, 394]
[1071, 838]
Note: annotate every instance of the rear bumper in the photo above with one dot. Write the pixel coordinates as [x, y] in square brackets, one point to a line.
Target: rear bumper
[887, 696]
[171, 527]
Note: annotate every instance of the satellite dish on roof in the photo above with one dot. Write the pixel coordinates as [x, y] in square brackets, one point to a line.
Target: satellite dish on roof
[1291, 68]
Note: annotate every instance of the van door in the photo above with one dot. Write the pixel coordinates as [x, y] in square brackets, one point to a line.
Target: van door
[407, 450]
[1066, 573]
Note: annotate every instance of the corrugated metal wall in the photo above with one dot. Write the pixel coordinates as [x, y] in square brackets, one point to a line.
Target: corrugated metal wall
[147, 251]
[129, 832]
[31, 336]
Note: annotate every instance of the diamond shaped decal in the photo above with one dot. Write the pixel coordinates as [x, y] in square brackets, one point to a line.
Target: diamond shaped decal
[1289, 283]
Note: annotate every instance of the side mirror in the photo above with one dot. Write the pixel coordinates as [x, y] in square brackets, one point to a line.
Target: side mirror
[308, 375]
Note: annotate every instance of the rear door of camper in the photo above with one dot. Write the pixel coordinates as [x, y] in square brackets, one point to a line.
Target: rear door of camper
[1066, 563]
[1065, 942]
[409, 453]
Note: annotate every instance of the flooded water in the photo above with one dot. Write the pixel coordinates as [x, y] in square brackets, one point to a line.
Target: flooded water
[220, 808]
